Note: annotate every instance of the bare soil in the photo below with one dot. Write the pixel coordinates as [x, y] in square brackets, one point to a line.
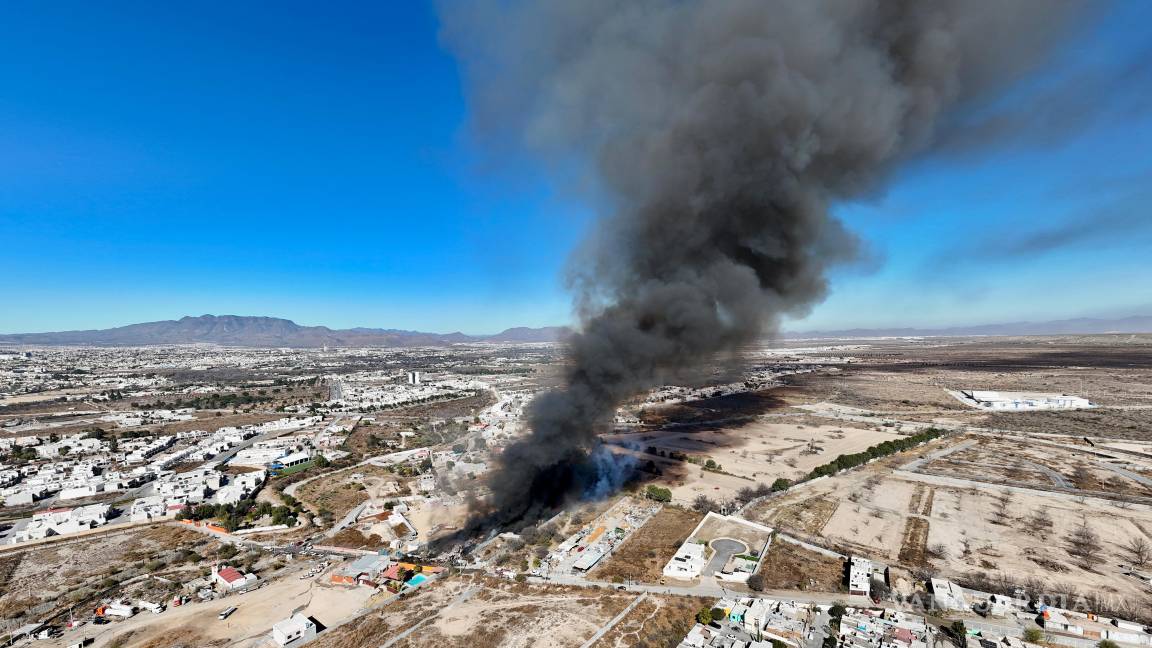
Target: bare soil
[642, 556]
[790, 566]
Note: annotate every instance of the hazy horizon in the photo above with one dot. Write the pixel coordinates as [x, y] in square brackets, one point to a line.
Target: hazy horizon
[328, 176]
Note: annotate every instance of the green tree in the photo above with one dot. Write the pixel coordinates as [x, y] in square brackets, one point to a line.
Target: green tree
[704, 616]
[1033, 635]
[780, 484]
[658, 494]
[1107, 643]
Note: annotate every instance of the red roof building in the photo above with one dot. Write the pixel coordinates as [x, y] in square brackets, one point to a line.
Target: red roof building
[232, 578]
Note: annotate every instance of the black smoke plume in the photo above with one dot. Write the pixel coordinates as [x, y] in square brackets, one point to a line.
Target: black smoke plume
[719, 132]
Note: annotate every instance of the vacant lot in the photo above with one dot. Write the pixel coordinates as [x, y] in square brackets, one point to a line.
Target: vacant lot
[914, 546]
[807, 516]
[789, 566]
[642, 557]
[655, 623]
[484, 613]
[196, 623]
[971, 527]
[42, 579]
[747, 453]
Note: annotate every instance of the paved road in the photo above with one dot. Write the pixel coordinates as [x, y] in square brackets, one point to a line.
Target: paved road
[724, 549]
[917, 464]
[346, 521]
[709, 588]
[1058, 480]
[1127, 473]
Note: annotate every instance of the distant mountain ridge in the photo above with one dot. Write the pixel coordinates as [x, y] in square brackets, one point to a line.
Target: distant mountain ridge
[248, 331]
[1076, 326]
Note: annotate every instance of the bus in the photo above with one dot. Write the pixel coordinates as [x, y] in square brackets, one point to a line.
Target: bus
[226, 613]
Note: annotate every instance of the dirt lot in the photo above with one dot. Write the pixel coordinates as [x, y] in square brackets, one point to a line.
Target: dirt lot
[790, 566]
[1051, 462]
[755, 452]
[342, 491]
[656, 623]
[484, 613]
[642, 557]
[914, 545]
[808, 515]
[197, 624]
[969, 527]
[58, 575]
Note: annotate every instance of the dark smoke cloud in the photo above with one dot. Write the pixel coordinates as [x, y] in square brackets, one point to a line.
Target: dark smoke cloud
[1049, 115]
[720, 132]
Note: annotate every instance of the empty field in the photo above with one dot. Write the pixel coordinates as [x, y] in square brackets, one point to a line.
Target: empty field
[790, 566]
[642, 556]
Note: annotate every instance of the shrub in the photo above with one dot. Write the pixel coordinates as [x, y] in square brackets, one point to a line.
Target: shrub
[658, 494]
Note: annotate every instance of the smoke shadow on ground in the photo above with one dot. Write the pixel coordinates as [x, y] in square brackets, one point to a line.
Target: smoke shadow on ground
[718, 414]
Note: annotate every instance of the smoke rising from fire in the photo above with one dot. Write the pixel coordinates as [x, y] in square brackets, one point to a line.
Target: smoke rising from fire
[719, 133]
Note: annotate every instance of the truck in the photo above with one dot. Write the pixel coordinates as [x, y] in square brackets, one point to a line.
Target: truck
[120, 610]
[154, 608]
[227, 612]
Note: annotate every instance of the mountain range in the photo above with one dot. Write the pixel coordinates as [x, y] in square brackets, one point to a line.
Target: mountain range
[238, 330]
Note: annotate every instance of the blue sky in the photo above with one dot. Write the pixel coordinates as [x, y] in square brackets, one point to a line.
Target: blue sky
[311, 161]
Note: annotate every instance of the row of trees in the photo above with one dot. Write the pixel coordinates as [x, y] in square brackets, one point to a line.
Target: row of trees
[846, 461]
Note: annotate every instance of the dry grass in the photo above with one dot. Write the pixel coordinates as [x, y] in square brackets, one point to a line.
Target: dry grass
[806, 516]
[656, 623]
[789, 566]
[333, 493]
[913, 547]
[354, 539]
[497, 613]
[643, 556]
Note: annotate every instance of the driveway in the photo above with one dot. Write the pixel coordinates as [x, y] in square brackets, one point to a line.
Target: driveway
[724, 549]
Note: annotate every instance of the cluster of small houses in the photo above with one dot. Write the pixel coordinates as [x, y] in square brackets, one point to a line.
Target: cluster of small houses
[371, 570]
[373, 389]
[762, 622]
[90, 469]
[29, 372]
[1057, 622]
